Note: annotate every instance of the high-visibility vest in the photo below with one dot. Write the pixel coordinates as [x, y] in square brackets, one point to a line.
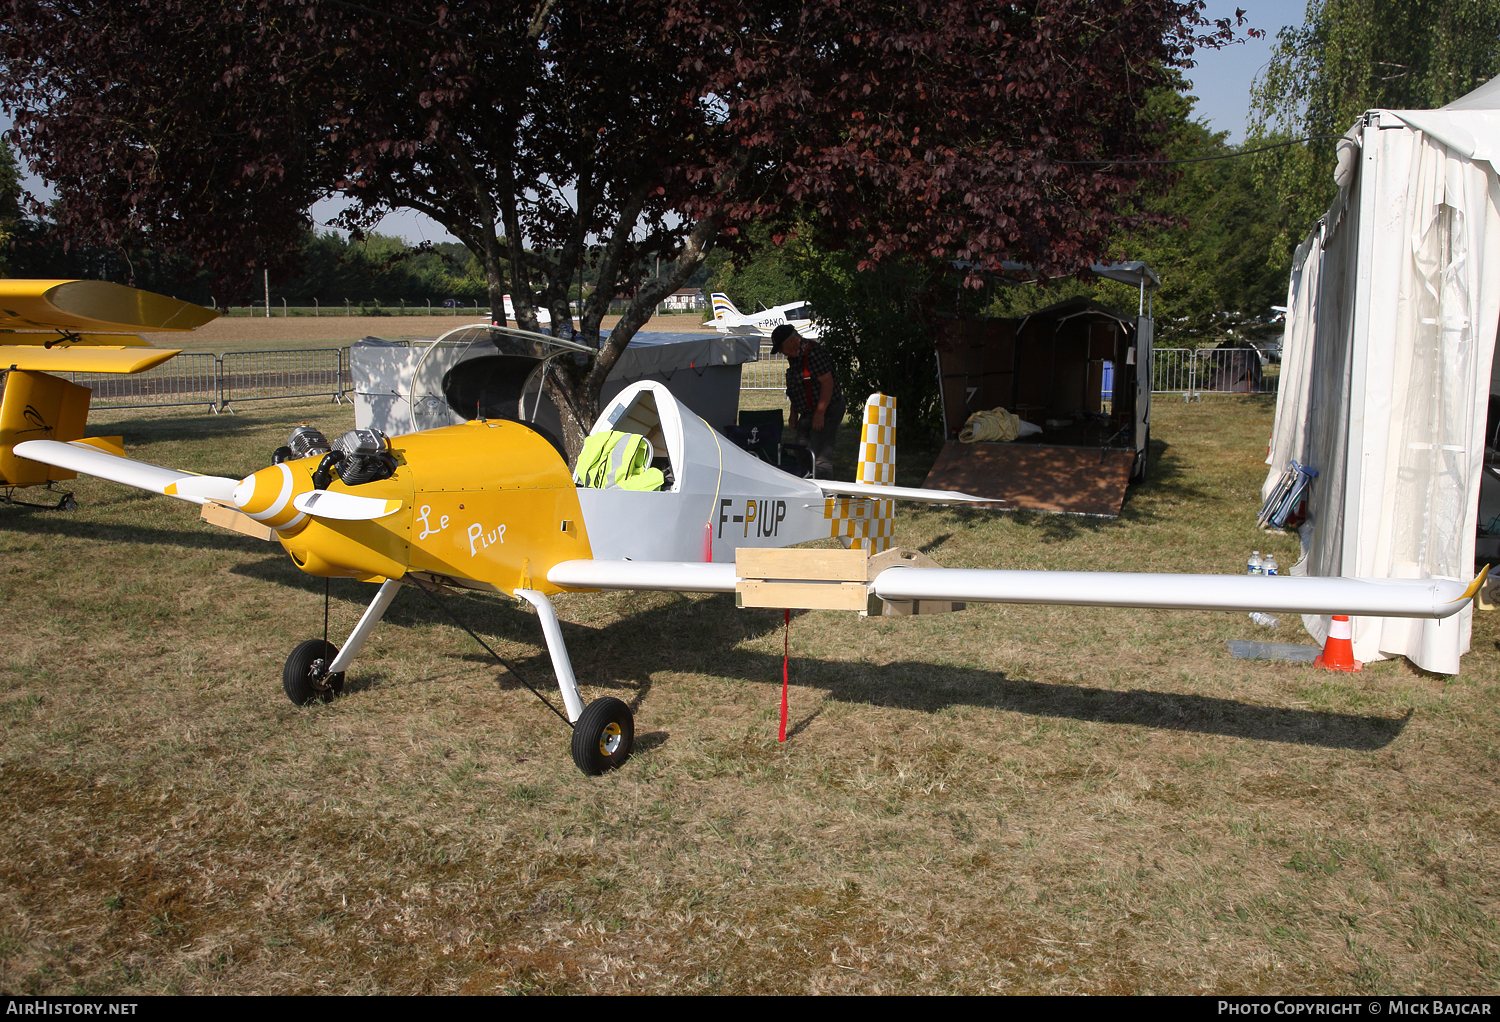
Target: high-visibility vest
[614, 460]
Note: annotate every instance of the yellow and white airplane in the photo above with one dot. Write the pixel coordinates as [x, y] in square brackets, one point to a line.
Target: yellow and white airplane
[73, 326]
[659, 501]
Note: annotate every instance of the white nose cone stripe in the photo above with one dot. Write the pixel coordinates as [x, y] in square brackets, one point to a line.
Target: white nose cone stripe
[244, 492]
[281, 498]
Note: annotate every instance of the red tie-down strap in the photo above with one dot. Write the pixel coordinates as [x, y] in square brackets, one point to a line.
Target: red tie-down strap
[786, 652]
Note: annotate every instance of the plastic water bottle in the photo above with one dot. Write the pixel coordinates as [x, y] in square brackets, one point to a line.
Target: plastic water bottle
[1270, 565]
[1255, 566]
[1264, 620]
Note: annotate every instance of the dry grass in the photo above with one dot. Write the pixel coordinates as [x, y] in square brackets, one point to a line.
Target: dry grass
[1008, 799]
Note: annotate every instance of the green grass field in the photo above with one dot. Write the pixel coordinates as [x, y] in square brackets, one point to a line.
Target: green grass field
[1007, 799]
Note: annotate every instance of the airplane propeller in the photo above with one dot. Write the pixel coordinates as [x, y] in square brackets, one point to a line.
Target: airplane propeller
[208, 487]
[344, 507]
[273, 485]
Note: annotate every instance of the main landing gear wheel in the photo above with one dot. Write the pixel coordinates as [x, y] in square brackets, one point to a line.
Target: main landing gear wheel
[603, 736]
[305, 679]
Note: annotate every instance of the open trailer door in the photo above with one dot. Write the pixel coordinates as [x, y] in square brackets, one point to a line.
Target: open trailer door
[1144, 374]
[1079, 372]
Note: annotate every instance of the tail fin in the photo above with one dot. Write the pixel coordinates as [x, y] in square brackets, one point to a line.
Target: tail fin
[871, 523]
[724, 308]
[38, 406]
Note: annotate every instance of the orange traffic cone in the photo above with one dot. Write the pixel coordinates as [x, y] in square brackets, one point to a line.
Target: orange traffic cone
[1338, 651]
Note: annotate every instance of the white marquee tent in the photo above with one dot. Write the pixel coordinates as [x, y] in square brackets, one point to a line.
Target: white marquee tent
[1387, 362]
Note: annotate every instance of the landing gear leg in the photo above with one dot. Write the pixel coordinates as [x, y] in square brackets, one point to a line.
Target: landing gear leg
[603, 734]
[65, 503]
[315, 670]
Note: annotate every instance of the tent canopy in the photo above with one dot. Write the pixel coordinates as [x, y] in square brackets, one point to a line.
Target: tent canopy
[1469, 126]
[1387, 359]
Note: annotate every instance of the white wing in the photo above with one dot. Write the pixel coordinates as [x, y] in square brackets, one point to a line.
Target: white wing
[1427, 598]
[671, 576]
[1370, 597]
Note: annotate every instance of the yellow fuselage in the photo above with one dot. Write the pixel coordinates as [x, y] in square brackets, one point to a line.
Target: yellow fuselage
[488, 504]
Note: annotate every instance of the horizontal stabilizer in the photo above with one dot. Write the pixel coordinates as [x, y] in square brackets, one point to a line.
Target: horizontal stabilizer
[22, 352]
[80, 457]
[108, 444]
[1365, 597]
[911, 493]
[344, 507]
[671, 576]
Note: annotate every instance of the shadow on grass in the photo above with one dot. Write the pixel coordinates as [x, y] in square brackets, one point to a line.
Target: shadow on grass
[705, 636]
[248, 418]
[41, 522]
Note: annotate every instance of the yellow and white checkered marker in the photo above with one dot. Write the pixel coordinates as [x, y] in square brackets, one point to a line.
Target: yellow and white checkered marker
[870, 523]
[877, 442]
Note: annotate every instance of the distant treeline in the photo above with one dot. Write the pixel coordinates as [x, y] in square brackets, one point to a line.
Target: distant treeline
[379, 269]
[333, 270]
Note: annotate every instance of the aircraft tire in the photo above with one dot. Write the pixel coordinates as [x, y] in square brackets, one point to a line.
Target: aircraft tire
[303, 684]
[603, 736]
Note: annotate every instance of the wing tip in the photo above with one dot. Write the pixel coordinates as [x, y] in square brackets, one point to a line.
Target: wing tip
[1474, 586]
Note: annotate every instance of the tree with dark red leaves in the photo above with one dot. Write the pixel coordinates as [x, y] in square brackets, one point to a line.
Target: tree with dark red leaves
[636, 134]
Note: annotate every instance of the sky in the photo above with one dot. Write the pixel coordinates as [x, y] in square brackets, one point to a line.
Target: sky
[1221, 81]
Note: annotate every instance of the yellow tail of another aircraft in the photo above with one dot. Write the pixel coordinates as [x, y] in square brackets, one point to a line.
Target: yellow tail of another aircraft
[71, 326]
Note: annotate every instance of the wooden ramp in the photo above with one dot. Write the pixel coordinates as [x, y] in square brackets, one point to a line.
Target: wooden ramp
[1080, 480]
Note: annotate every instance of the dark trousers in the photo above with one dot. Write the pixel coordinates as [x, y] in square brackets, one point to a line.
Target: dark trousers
[821, 441]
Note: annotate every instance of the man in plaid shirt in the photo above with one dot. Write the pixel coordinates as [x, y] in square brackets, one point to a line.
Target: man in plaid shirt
[817, 403]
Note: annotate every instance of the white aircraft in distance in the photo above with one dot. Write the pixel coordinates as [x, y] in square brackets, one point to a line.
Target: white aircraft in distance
[729, 320]
[659, 501]
[543, 317]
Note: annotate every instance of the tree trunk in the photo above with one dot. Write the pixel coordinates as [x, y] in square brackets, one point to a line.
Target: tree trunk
[575, 389]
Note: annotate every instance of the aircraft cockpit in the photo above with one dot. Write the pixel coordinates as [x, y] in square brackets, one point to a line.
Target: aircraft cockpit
[486, 372]
[637, 412]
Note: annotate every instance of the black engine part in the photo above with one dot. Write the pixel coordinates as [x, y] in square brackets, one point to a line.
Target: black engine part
[307, 442]
[365, 457]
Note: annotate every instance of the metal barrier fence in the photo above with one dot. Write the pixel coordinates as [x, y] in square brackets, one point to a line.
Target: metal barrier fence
[280, 310]
[767, 374]
[1192, 372]
[1173, 370]
[189, 379]
[268, 375]
[196, 378]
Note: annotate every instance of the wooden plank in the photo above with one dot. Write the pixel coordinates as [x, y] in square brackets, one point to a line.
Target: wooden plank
[1086, 480]
[820, 565]
[234, 521]
[802, 595]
